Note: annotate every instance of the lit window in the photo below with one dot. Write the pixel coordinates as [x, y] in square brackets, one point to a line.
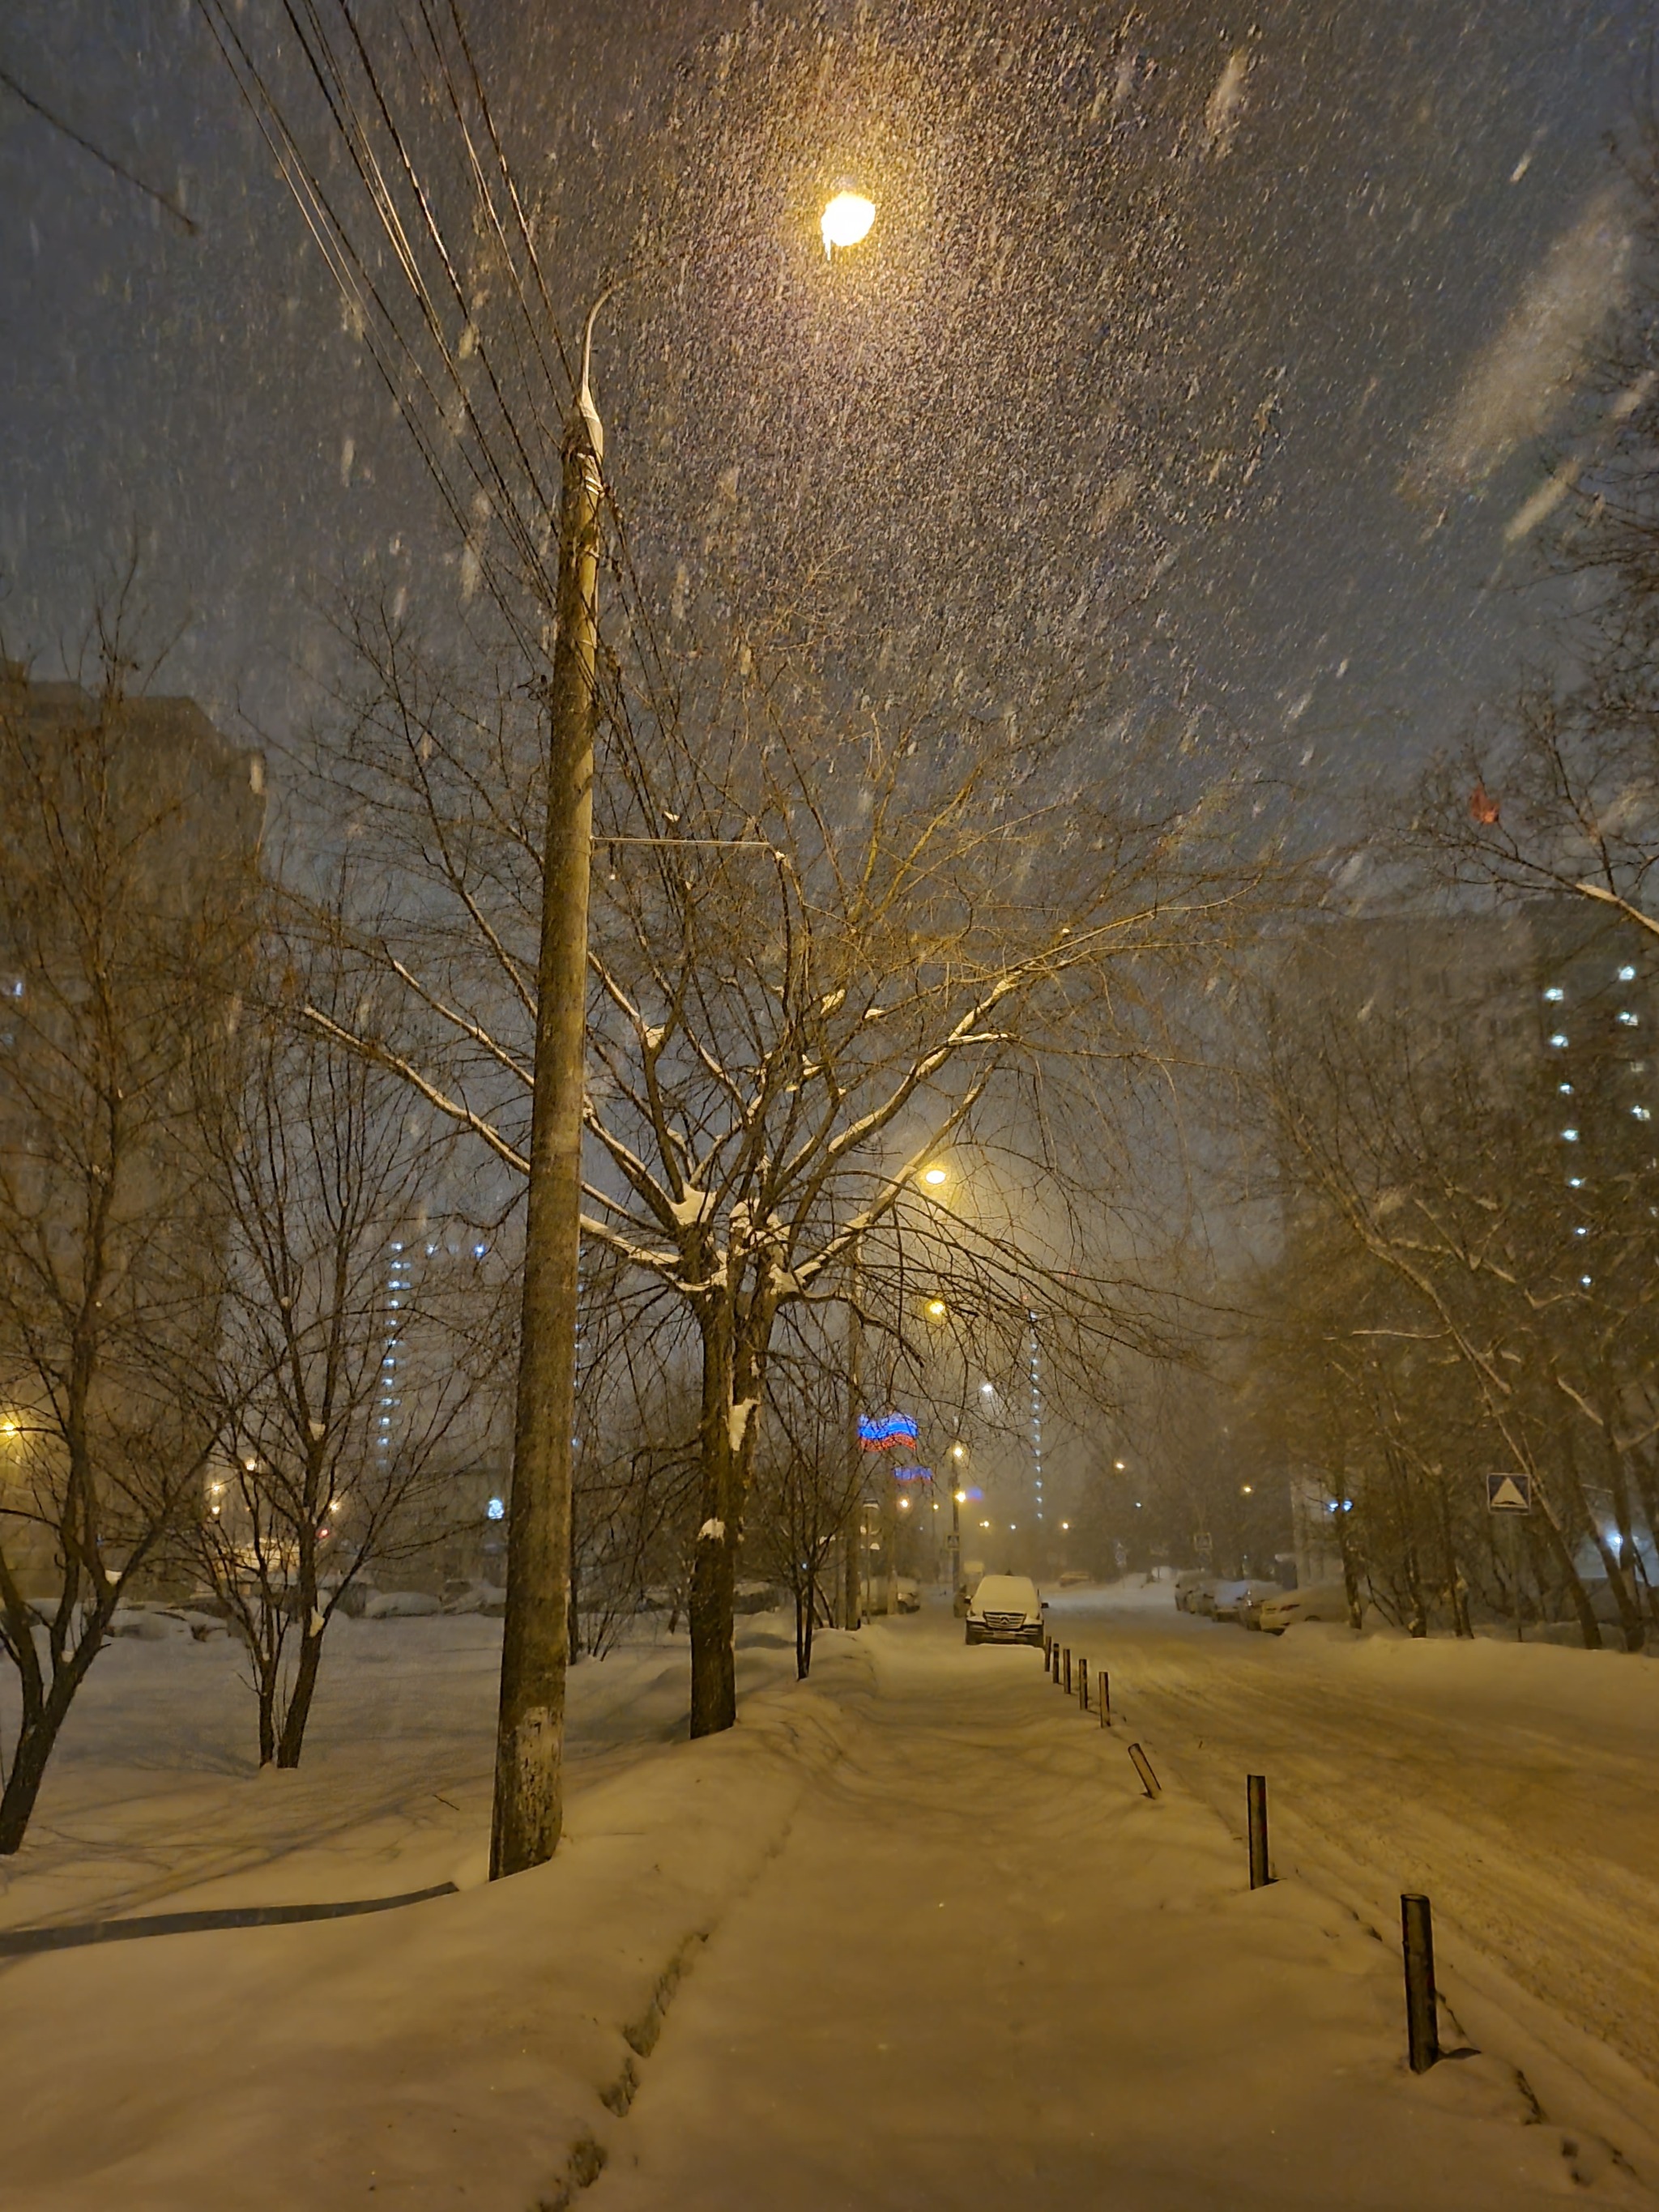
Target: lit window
[1570, 1136]
[1626, 1020]
[1565, 1090]
[1581, 1232]
[496, 1510]
[1555, 994]
[1627, 975]
[1559, 1039]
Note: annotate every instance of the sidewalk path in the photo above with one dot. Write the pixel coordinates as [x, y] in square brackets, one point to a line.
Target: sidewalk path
[984, 1970]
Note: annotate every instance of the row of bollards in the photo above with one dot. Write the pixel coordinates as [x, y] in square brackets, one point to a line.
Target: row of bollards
[1416, 1918]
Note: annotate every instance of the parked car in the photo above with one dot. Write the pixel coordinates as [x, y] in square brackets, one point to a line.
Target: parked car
[1185, 1583]
[1200, 1598]
[1317, 1601]
[1242, 1602]
[1224, 1600]
[1249, 1607]
[1005, 1609]
[1074, 1578]
[905, 1595]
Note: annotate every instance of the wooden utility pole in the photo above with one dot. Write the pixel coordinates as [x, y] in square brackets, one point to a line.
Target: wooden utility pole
[534, 1648]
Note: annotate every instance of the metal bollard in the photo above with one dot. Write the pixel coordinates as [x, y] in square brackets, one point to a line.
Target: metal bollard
[1065, 1662]
[1143, 1767]
[1256, 1806]
[1422, 2024]
[1105, 1698]
[1083, 1684]
[1047, 1646]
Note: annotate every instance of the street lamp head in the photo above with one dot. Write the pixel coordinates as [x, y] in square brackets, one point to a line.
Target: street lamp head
[937, 1310]
[846, 222]
[958, 1451]
[936, 1177]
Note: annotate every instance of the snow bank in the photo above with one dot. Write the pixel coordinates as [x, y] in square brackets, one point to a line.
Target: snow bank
[474, 2046]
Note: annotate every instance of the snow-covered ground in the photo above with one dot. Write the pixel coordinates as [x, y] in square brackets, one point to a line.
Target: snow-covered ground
[909, 1936]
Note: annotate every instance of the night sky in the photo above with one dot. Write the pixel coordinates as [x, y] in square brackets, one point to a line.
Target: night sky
[1226, 347]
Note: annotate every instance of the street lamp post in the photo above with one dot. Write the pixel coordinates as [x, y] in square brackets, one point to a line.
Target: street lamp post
[528, 1811]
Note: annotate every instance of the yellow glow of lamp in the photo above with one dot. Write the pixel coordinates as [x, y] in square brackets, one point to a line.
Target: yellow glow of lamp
[937, 1310]
[935, 1177]
[845, 220]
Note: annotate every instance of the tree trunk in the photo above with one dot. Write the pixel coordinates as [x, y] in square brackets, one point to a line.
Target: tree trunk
[292, 1739]
[713, 1679]
[1588, 1627]
[36, 1740]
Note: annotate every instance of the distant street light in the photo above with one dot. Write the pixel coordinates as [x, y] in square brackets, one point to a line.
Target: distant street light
[937, 1310]
[936, 1177]
[846, 222]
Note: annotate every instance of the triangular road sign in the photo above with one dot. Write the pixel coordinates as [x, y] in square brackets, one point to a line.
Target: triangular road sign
[1509, 1493]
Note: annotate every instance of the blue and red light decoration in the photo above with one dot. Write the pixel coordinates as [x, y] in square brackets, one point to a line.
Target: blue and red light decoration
[886, 1431]
[913, 1474]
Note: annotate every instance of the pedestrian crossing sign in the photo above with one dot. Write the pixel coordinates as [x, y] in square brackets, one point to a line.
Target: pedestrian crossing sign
[1509, 1493]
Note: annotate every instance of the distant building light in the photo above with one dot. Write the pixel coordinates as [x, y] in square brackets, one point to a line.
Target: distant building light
[1628, 1020]
[496, 1510]
[1575, 1183]
[1565, 1090]
[1570, 1136]
[1641, 1112]
[479, 1251]
[1559, 1039]
[396, 1248]
[1585, 1280]
[1581, 1232]
[1555, 994]
[1627, 975]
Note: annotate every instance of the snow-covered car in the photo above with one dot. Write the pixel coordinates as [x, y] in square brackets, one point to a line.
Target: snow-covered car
[904, 1595]
[1242, 1602]
[1250, 1608]
[1005, 1609]
[1224, 1599]
[1185, 1583]
[1200, 1598]
[1074, 1578]
[1317, 1601]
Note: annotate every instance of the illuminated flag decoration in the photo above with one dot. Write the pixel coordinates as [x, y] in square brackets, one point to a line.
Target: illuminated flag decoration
[913, 1474]
[885, 1431]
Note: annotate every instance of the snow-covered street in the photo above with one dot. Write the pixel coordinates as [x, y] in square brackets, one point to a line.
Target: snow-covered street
[909, 1936]
[985, 1967]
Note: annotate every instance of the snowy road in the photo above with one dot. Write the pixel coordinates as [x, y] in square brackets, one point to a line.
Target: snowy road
[1518, 1787]
[982, 1968]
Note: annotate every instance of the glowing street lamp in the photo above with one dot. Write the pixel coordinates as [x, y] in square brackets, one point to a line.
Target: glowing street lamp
[846, 222]
[937, 1310]
[936, 1177]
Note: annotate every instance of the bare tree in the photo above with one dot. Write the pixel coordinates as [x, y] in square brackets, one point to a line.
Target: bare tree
[128, 833]
[809, 1480]
[352, 1365]
[1437, 1159]
[828, 943]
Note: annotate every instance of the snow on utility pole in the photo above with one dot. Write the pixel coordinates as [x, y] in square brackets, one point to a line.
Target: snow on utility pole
[530, 1727]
